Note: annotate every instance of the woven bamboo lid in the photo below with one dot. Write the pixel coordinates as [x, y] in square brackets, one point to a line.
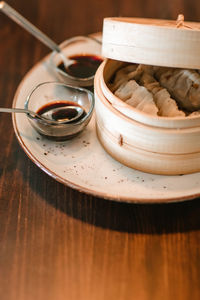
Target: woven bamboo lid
[152, 41]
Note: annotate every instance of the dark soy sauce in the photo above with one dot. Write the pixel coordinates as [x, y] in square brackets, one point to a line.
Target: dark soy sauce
[84, 66]
[50, 130]
[64, 114]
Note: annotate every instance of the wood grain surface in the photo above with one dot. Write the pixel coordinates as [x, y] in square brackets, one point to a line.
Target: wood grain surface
[56, 243]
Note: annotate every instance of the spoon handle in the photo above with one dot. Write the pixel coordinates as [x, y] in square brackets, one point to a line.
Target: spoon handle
[16, 110]
[20, 20]
[10, 110]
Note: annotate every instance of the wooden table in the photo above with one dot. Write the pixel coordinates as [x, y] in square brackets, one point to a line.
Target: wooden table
[56, 243]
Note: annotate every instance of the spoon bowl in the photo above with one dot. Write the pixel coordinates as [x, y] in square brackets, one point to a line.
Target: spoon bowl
[59, 115]
[64, 114]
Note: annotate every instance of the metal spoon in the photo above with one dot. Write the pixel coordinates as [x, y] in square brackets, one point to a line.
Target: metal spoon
[20, 20]
[52, 115]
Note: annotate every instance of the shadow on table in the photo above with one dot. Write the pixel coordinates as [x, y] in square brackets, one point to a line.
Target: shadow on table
[124, 217]
[133, 218]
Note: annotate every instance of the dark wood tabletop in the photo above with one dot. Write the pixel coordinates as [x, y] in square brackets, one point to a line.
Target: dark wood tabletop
[57, 243]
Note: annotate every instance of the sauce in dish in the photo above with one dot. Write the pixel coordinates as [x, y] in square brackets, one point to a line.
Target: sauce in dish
[68, 113]
[84, 66]
[61, 131]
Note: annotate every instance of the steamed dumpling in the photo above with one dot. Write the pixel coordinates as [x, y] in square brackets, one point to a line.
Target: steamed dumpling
[137, 96]
[123, 75]
[169, 92]
[166, 105]
[125, 90]
[183, 85]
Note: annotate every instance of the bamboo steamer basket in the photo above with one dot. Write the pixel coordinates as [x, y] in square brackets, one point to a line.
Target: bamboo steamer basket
[153, 144]
[147, 148]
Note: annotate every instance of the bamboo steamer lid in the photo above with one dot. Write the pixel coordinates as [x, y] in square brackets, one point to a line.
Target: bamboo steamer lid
[152, 41]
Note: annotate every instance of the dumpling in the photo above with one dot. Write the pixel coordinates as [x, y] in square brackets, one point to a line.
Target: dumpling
[166, 105]
[125, 90]
[123, 75]
[137, 96]
[183, 85]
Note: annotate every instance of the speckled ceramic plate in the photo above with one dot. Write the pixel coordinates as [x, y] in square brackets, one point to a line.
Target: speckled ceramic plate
[83, 164]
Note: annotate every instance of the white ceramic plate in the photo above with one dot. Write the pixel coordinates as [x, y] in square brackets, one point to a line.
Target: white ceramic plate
[83, 164]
